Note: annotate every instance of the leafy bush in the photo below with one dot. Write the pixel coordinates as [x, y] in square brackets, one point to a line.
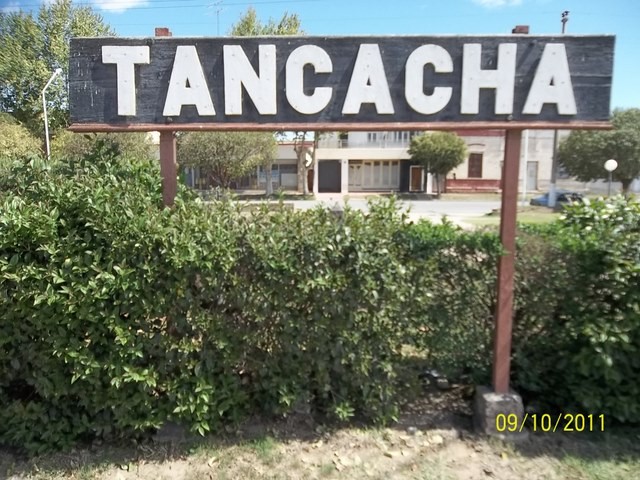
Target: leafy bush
[84, 293]
[577, 338]
[15, 142]
[70, 146]
[120, 315]
[454, 314]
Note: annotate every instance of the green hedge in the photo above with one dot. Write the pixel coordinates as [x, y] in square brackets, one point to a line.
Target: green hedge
[119, 315]
[577, 343]
[452, 316]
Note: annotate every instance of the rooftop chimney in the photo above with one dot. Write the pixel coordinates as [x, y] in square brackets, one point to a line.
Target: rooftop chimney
[521, 29]
[162, 32]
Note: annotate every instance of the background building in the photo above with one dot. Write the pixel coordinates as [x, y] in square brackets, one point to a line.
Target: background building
[352, 162]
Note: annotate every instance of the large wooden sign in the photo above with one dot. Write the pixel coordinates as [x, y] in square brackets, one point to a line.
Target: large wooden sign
[333, 83]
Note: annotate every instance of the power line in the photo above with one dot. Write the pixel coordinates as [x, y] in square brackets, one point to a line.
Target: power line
[181, 5]
[217, 4]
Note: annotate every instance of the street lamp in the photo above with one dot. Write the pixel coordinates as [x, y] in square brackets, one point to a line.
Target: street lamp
[610, 165]
[57, 72]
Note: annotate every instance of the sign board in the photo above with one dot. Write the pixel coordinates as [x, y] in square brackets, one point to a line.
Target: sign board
[340, 83]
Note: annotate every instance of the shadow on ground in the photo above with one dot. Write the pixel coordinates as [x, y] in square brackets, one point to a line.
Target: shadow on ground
[443, 417]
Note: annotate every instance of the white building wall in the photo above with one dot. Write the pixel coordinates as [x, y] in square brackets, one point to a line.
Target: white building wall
[363, 154]
[492, 150]
[386, 146]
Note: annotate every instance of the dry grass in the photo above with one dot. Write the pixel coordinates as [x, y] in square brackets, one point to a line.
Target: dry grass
[432, 440]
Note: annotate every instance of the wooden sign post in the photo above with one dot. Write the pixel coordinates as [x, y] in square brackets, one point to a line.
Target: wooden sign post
[506, 264]
[168, 152]
[510, 82]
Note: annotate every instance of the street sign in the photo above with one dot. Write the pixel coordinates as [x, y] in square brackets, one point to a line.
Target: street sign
[512, 82]
[356, 83]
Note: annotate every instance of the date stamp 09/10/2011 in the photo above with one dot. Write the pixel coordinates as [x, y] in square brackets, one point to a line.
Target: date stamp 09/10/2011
[561, 422]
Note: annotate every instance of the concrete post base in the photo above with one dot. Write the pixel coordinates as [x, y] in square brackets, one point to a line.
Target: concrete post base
[488, 405]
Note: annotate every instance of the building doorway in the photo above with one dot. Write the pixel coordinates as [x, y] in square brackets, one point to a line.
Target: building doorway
[329, 176]
[416, 175]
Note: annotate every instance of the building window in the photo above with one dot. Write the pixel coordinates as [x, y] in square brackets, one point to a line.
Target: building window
[475, 165]
[401, 137]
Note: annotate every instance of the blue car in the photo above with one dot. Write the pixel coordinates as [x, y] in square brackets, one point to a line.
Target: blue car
[563, 197]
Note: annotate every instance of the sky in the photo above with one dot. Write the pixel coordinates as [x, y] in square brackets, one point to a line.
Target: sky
[393, 17]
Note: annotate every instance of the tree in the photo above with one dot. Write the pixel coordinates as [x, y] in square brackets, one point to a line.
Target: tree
[303, 147]
[226, 156]
[250, 25]
[438, 152]
[583, 153]
[15, 142]
[75, 146]
[31, 48]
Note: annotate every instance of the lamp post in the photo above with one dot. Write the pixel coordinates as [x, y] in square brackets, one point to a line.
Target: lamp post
[610, 165]
[57, 72]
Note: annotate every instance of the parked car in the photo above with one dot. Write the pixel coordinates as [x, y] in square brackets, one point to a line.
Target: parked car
[563, 197]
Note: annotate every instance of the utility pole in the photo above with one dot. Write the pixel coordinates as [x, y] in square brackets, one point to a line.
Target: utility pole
[218, 6]
[554, 160]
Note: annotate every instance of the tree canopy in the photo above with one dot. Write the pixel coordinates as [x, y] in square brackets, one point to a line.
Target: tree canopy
[15, 142]
[438, 152]
[583, 153]
[31, 48]
[76, 146]
[226, 156]
[250, 25]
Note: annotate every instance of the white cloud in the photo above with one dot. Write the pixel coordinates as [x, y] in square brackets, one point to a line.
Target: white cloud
[117, 6]
[497, 3]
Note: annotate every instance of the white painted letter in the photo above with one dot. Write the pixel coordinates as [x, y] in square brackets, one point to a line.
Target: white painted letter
[502, 79]
[414, 79]
[321, 62]
[187, 85]
[125, 59]
[368, 83]
[238, 72]
[552, 83]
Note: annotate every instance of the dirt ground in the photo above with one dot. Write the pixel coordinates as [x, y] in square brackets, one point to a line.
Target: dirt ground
[432, 440]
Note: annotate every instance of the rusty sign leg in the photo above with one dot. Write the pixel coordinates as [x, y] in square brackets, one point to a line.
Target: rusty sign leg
[168, 167]
[168, 163]
[506, 264]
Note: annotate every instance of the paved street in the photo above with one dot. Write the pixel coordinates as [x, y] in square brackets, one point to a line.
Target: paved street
[456, 210]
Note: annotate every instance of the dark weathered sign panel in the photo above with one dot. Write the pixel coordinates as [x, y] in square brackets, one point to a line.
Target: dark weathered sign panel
[334, 83]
